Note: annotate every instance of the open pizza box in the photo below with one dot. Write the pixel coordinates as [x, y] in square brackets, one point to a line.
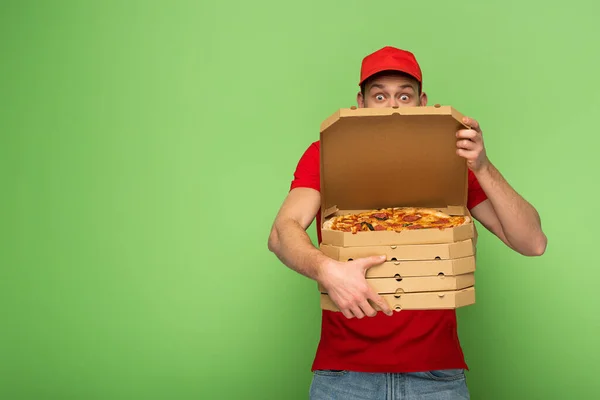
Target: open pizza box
[373, 158]
[400, 157]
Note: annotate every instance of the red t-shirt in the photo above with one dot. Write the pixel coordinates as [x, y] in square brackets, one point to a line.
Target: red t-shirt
[408, 341]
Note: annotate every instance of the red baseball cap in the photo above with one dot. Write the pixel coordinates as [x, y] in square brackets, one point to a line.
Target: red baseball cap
[390, 59]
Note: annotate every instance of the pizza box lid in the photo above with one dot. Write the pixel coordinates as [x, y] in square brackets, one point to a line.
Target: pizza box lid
[391, 157]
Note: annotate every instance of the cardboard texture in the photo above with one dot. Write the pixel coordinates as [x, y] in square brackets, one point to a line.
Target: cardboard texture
[373, 158]
[418, 301]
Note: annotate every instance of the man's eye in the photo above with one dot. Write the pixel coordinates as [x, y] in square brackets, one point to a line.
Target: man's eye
[379, 97]
[404, 97]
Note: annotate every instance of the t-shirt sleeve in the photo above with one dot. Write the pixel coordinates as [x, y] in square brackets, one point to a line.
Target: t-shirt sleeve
[307, 172]
[476, 194]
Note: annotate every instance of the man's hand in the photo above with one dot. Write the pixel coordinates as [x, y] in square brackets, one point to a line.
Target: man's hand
[346, 285]
[470, 145]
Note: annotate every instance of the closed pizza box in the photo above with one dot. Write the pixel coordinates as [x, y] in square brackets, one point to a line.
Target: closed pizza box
[418, 301]
[373, 158]
[405, 269]
[413, 252]
[418, 284]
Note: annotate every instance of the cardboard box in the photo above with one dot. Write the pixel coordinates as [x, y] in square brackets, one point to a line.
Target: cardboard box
[419, 284]
[374, 158]
[404, 269]
[443, 251]
[418, 301]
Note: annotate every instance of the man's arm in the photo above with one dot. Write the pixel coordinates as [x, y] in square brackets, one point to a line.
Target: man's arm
[506, 213]
[509, 216]
[344, 281]
[289, 240]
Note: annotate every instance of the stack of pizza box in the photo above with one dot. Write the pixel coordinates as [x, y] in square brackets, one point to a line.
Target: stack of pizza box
[400, 157]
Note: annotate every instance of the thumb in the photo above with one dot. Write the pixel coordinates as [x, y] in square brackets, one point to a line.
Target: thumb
[372, 261]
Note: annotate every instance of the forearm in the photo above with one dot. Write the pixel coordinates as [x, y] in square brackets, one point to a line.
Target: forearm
[520, 221]
[292, 245]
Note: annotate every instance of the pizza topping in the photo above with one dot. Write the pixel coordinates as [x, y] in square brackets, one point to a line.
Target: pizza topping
[380, 216]
[395, 219]
[367, 225]
[415, 227]
[411, 218]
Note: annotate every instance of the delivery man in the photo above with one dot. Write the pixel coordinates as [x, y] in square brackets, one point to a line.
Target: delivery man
[412, 354]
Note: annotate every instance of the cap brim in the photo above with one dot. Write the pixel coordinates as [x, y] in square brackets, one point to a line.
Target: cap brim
[388, 69]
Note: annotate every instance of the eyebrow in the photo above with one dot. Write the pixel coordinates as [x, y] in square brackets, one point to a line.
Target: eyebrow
[380, 86]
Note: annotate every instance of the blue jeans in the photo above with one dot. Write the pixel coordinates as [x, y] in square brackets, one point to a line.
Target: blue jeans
[449, 384]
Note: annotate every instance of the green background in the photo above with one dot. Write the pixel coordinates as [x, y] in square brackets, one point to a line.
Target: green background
[123, 123]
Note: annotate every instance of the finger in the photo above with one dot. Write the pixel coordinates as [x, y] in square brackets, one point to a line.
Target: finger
[470, 155]
[357, 311]
[367, 309]
[472, 123]
[381, 303]
[342, 305]
[466, 144]
[368, 262]
[467, 134]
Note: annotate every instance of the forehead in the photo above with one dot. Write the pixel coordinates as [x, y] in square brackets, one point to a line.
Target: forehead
[392, 82]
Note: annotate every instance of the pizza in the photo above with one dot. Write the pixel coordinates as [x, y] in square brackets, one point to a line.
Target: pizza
[397, 219]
